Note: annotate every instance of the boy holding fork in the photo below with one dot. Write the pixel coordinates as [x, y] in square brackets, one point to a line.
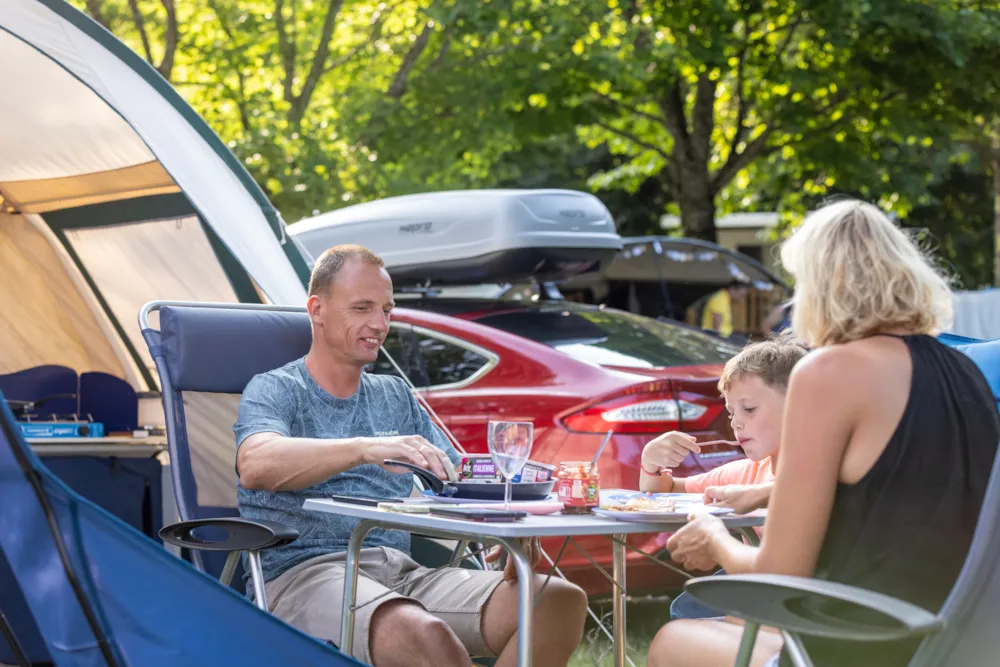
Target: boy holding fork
[753, 384]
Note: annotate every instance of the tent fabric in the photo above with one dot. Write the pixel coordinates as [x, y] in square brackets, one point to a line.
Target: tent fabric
[134, 264]
[977, 313]
[84, 135]
[150, 607]
[53, 194]
[158, 126]
[210, 418]
[45, 318]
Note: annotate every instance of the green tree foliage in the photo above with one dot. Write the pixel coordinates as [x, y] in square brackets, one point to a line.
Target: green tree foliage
[701, 107]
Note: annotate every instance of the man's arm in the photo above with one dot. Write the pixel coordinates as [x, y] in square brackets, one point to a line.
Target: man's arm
[273, 462]
[268, 458]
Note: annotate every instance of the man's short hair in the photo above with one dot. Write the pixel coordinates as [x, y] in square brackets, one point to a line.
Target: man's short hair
[771, 360]
[332, 260]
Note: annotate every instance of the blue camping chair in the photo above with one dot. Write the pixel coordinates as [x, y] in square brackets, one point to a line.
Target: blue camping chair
[203, 350]
[104, 594]
[962, 633]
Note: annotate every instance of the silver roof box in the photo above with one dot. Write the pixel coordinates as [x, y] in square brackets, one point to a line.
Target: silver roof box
[470, 237]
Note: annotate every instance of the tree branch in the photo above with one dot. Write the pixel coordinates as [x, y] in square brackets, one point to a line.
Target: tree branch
[166, 65]
[400, 81]
[780, 53]
[94, 8]
[445, 47]
[140, 24]
[374, 34]
[236, 55]
[286, 49]
[318, 65]
[738, 161]
[743, 101]
[635, 111]
[625, 134]
[673, 111]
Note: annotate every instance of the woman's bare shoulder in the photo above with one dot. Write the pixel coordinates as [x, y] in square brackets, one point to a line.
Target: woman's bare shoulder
[839, 366]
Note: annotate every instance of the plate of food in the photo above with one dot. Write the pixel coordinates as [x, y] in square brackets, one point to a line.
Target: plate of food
[628, 505]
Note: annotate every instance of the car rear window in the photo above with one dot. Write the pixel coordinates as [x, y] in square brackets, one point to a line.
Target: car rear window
[615, 338]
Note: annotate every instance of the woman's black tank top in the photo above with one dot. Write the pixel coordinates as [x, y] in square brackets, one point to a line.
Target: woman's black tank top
[905, 528]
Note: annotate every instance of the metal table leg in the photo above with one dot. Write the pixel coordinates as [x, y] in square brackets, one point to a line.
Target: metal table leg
[618, 601]
[351, 584]
[525, 599]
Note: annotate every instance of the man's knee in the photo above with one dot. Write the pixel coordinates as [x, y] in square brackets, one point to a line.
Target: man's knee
[565, 604]
[402, 633]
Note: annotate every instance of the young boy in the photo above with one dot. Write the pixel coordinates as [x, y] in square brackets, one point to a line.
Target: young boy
[753, 383]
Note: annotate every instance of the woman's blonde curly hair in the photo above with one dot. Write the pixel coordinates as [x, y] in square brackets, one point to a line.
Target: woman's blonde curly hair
[857, 273]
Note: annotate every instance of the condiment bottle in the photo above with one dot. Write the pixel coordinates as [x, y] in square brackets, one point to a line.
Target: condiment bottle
[579, 486]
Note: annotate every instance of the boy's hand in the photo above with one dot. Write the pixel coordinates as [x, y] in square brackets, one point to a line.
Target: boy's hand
[741, 498]
[669, 450]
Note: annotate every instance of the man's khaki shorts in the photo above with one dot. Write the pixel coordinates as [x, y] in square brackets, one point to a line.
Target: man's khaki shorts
[309, 596]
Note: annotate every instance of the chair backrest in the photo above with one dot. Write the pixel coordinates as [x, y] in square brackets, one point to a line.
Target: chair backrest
[986, 354]
[970, 636]
[104, 594]
[205, 355]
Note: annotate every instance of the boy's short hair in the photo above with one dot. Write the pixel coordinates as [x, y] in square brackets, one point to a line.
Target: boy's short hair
[771, 360]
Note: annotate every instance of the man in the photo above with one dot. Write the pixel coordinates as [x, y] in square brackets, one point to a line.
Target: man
[320, 426]
[718, 312]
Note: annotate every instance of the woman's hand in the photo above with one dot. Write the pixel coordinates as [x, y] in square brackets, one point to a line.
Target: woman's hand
[694, 545]
[741, 498]
[669, 450]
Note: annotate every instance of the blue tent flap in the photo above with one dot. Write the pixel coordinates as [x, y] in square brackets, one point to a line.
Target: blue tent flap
[104, 594]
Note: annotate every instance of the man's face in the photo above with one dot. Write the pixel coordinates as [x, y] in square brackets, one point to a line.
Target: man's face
[352, 317]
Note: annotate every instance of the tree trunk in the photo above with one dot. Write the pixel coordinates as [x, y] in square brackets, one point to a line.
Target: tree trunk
[697, 204]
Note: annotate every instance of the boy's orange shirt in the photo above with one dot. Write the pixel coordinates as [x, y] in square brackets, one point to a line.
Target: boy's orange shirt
[743, 471]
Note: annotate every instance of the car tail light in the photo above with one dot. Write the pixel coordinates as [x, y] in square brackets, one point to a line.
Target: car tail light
[646, 408]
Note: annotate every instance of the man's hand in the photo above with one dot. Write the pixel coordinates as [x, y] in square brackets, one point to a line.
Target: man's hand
[741, 498]
[669, 450]
[413, 449]
[532, 548]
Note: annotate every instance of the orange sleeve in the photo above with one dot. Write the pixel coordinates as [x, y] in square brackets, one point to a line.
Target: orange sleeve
[730, 473]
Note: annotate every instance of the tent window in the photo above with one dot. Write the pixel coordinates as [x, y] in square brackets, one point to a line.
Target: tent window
[136, 263]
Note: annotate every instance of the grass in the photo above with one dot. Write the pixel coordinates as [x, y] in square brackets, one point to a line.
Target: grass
[642, 620]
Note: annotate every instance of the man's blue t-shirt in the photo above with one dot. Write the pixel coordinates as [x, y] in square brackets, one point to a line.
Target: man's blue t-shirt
[288, 401]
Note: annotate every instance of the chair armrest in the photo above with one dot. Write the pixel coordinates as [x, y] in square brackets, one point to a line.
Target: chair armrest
[813, 607]
[241, 534]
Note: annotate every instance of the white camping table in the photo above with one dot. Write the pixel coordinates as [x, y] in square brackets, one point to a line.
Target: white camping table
[506, 535]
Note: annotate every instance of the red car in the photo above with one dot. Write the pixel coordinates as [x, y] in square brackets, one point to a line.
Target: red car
[576, 371]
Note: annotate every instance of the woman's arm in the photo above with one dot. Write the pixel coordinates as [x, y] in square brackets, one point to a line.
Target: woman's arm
[821, 411]
[823, 407]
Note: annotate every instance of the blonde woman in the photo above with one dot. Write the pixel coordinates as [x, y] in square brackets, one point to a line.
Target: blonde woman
[887, 443]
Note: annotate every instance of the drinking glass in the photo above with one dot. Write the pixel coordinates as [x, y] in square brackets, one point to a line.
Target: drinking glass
[510, 445]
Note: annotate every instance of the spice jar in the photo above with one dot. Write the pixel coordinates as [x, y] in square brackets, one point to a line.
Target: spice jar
[579, 486]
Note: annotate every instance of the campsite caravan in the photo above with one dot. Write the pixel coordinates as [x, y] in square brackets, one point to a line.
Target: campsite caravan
[472, 237]
[114, 192]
